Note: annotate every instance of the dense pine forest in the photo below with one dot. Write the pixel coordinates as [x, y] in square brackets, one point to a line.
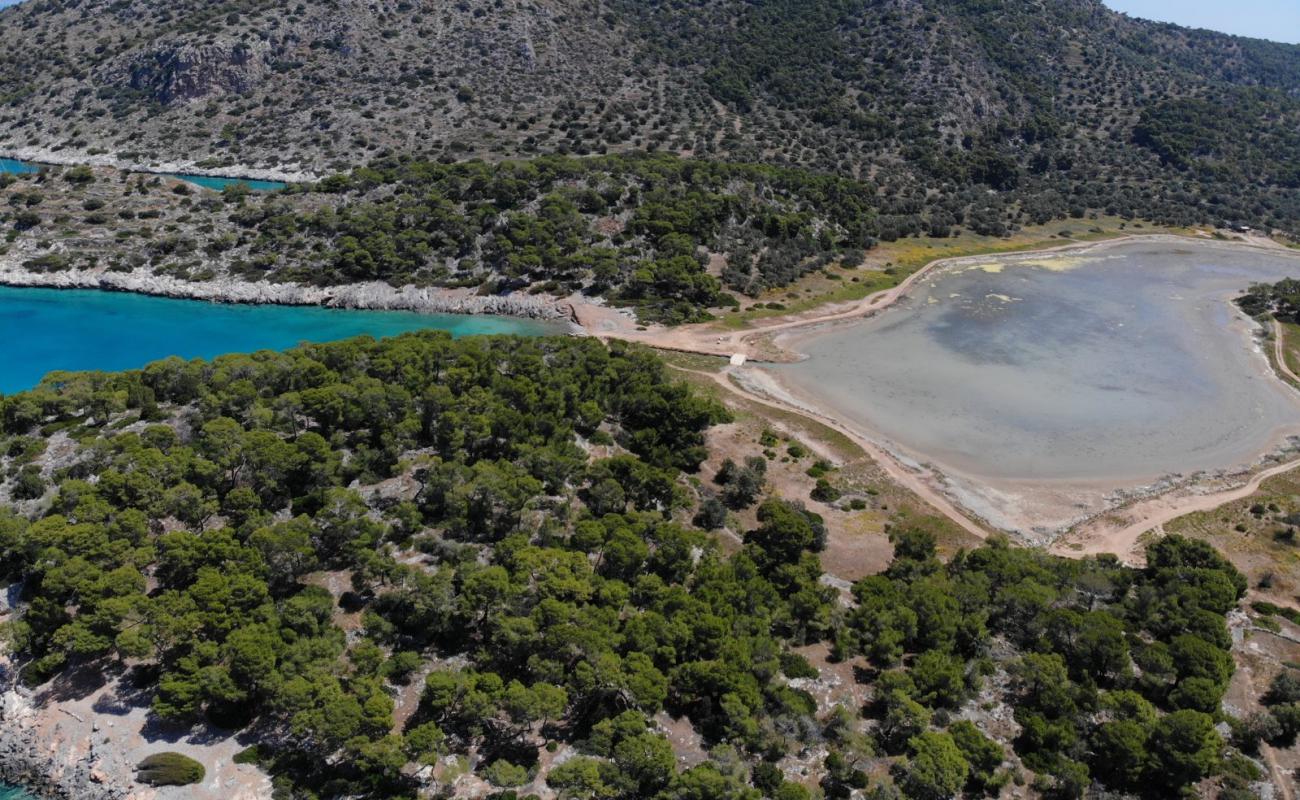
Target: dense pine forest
[385, 558]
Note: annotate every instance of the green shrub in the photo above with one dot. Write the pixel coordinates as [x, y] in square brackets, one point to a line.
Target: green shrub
[169, 769]
[1265, 607]
[29, 484]
[824, 492]
[504, 774]
[796, 666]
[820, 468]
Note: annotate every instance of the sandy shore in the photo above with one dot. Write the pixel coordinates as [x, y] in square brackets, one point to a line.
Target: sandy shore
[758, 386]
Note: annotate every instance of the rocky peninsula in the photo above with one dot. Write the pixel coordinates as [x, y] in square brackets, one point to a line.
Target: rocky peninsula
[371, 295]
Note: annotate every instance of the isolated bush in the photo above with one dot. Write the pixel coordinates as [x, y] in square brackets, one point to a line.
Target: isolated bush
[824, 492]
[169, 769]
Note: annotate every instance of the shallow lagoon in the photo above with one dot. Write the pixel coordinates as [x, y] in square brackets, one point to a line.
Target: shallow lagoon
[57, 329]
[1127, 363]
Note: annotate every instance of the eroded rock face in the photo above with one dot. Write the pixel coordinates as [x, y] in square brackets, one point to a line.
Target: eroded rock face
[186, 72]
[27, 760]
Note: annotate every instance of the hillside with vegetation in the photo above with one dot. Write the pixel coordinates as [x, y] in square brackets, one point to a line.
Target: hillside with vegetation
[670, 237]
[955, 113]
[547, 567]
[476, 566]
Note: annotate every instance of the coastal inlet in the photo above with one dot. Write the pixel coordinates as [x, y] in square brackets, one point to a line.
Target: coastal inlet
[87, 329]
[15, 167]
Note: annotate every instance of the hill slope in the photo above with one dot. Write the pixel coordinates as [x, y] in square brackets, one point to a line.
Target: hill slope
[1058, 106]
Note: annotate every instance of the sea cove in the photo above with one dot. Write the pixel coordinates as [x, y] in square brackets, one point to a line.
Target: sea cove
[83, 329]
[216, 184]
[1100, 369]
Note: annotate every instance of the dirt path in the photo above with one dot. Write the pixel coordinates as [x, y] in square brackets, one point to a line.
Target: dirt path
[1266, 751]
[1276, 772]
[895, 470]
[1279, 352]
[1104, 537]
[1096, 538]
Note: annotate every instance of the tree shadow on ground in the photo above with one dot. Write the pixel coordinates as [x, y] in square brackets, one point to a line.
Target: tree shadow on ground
[76, 683]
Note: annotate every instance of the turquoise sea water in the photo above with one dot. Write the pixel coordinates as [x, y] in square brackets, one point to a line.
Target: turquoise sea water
[8, 792]
[217, 184]
[15, 167]
[56, 329]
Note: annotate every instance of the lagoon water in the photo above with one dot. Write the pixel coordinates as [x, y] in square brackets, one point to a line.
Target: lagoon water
[1128, 362]
[57, 329]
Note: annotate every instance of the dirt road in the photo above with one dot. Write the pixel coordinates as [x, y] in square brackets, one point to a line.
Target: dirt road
[1103, 536]
[1279, 352]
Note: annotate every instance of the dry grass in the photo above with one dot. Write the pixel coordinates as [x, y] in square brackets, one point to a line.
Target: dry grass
[1253, 534]
[1290, 348]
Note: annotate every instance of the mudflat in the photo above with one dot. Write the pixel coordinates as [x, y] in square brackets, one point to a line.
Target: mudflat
[1110, 367]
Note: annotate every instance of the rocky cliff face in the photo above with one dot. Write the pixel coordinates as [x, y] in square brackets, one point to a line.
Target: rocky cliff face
[192, 71]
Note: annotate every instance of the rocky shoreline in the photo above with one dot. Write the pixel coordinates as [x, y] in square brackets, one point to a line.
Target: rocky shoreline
[374, 295]
[81, 737]
[26, 762]
[43, 155]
